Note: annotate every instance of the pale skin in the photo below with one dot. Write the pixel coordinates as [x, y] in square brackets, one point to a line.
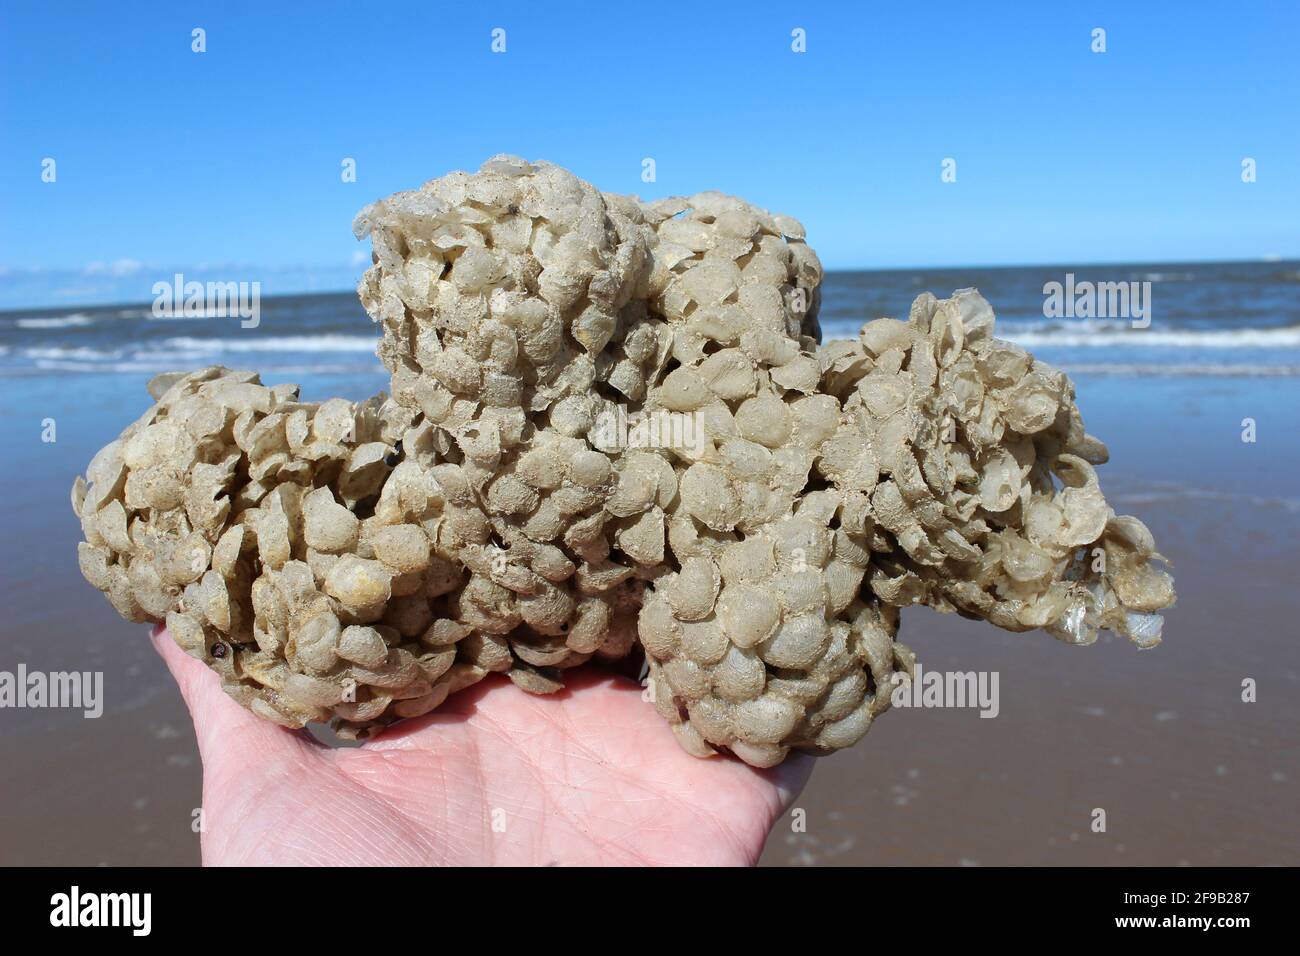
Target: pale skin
[591, 776]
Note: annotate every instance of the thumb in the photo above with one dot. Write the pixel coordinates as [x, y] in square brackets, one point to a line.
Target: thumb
[790, 776]
[227, 734]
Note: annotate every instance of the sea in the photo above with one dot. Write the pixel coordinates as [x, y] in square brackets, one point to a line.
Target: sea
[1198, 319]
[1198, 410]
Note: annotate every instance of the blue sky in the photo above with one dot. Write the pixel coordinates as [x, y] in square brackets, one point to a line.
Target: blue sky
[226, 164]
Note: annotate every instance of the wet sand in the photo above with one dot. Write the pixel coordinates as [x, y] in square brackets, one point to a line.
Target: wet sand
[1160, 740]
[1186, 772]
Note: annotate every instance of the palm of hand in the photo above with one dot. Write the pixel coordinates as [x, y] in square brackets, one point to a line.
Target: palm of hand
[495, 776]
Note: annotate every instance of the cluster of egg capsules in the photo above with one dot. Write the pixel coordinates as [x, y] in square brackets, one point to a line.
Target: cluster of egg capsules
[612, 424]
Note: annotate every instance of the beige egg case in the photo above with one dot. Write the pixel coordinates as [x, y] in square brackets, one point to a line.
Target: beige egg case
[611, 423]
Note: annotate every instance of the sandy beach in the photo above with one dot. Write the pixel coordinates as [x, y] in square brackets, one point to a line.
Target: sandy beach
[1186, 772]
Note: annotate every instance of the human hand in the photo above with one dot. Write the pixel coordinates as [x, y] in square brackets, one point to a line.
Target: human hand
[590, 776]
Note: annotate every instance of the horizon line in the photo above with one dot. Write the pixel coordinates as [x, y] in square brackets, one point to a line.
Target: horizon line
[320, 293]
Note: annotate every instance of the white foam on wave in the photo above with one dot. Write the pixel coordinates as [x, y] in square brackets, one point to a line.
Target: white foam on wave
[1009, 328]
[1168, 276]
[1288, 337]
[1112, 333]
[1183, 369]
[55, 322]
[176, 358]
[277, 343]
[163, 315]
[84, 353]
[133, 367]
[1159, 491]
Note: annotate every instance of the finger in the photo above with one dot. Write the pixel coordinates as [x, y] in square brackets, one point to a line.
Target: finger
[791, 776]
[224, 729]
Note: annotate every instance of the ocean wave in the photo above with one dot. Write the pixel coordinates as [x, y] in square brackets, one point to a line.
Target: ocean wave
[1110, 333]
[1183, 369]
[1167, 276]
[1173, 491]
[277, 343]
[134, 367]
[55, 321]
[165, 316]
[176, 358]
[1104, 337]
[1007, 328]
[82, 353]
